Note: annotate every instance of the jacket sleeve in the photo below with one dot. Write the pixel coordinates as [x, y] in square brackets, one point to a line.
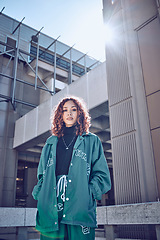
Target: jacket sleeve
[100, 182]
[40, 173]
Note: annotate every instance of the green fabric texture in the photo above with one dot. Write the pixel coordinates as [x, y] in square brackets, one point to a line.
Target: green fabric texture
[70, 232]
[66, 231]
[88, 179]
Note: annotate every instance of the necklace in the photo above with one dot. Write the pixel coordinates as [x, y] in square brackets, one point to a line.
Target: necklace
[67, 147]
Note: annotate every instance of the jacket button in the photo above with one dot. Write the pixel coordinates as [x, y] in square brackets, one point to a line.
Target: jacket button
[64, 215]
[67, 199]
[70, 180]
[55, 205]
[55, 223]
[71, 164]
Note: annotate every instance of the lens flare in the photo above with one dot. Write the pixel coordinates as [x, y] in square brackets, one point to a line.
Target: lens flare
[109, 34]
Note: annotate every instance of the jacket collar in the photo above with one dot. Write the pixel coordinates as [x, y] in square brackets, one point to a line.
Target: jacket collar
[54, 139]
[80, 139]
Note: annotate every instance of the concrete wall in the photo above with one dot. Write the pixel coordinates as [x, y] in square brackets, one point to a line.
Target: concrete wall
[149, 46]
[133, 158]
[111, 217]
[92, 87]
[146, 213]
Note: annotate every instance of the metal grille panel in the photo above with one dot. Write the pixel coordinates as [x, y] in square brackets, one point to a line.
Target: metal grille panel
[122, 120]
[117, 73]
[126, 169]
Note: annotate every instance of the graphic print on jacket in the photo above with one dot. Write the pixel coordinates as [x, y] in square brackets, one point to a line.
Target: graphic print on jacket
[61, 189]
[79, 153]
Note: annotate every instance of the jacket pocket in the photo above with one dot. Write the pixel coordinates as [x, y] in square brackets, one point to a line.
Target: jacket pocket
[36, 189]
[91, 199]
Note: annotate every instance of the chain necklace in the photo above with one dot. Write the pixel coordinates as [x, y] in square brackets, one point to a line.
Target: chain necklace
[67, 147]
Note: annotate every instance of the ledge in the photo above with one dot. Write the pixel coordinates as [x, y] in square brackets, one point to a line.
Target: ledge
[141, 213]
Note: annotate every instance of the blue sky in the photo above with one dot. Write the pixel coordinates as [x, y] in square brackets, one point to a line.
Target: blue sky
[79, 22]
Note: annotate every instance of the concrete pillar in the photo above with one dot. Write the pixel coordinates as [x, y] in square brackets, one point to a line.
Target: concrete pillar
[7, 154]
[158, 232]
[109, 232]
[10, 162]
[5, 86]
[22, 233]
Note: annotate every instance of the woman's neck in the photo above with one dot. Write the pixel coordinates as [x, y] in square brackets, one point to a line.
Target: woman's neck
[69, 130]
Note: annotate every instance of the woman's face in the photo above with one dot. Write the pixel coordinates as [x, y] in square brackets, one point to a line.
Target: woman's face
[69, 113]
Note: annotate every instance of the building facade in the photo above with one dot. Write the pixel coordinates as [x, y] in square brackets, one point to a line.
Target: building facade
[36, 71]
[132, 30]
[123, 95]
[133, 57]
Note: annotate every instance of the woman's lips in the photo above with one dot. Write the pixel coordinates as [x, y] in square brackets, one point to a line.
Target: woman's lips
[69, 118]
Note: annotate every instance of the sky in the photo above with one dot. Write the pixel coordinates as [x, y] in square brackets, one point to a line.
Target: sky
[78, 22]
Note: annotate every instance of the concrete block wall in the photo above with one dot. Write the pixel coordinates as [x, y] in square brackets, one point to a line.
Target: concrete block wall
[110, 217]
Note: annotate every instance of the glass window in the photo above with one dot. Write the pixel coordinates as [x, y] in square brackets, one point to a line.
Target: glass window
[59, 61]
[12, 43]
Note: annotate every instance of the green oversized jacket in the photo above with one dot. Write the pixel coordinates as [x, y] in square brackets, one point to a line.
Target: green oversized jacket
[88, 179]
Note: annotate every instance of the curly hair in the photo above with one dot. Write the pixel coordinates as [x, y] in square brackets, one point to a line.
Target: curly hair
[83, 118]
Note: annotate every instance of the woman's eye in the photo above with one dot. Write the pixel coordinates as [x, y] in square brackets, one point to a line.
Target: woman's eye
[74, 109]
[64, 110]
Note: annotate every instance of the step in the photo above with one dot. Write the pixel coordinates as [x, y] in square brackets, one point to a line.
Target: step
[100, 238]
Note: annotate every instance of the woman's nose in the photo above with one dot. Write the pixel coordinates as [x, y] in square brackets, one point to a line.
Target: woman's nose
[69, 112]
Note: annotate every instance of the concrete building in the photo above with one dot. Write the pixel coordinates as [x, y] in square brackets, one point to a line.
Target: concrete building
[133, 72]
[36, 71]
[122, 94]
[133, 79]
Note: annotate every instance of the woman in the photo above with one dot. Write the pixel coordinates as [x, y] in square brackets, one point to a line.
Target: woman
[72, 175]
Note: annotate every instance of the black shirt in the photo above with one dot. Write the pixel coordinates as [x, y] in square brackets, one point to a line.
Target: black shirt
[63, 155]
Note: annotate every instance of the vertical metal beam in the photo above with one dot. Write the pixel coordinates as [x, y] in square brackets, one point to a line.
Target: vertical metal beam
[55, 56]
[158, 8]
[37, 63]
[85, 68]
[70, 72]
[15, 68]
[16, 62]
